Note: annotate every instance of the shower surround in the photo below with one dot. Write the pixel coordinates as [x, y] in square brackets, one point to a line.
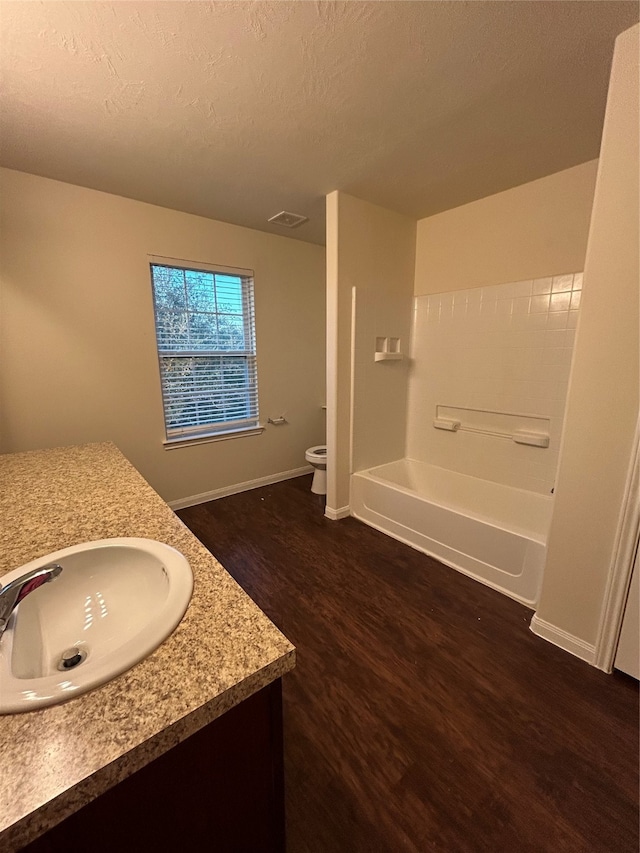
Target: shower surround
[502, 349]
[499, 358]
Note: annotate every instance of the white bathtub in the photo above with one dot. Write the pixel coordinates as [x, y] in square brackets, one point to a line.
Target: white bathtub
[493, 533]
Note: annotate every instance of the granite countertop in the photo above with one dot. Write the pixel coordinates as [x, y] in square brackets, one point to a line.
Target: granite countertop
[57, 759]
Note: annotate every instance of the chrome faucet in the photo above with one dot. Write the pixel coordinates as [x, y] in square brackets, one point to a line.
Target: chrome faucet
[12, 594]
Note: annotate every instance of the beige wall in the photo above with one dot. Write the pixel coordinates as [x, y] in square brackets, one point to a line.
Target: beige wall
[602, 406]
[78, 359]
[378, 259]
[531, 231]
[370, 250]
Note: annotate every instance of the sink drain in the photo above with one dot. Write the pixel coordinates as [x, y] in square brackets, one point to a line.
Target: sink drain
[71, 658]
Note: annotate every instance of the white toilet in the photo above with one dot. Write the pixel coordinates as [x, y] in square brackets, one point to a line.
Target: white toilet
[317, 456]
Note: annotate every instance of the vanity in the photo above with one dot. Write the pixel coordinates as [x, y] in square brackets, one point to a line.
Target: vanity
[185, 748]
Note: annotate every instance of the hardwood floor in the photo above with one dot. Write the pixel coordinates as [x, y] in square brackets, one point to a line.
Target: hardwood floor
[423, 714]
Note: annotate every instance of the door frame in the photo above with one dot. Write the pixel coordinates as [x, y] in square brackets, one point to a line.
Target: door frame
[624, 555]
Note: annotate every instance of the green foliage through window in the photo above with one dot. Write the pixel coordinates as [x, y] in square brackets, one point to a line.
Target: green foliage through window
[206, 346]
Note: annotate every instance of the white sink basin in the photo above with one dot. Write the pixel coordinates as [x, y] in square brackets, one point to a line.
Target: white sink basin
[115, 601]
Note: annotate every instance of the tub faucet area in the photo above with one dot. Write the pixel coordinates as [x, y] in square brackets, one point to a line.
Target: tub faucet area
[12, 594]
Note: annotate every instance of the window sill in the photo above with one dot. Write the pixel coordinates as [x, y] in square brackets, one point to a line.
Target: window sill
[174, 443]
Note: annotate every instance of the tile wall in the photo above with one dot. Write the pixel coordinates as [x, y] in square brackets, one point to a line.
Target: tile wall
[504, 348]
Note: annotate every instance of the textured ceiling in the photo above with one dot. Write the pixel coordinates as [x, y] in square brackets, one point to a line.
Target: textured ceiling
[237, 110]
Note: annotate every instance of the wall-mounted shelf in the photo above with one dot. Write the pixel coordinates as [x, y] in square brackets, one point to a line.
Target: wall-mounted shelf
[388, 349]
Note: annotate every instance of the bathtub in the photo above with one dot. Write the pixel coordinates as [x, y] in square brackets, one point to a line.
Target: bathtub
[493, 533]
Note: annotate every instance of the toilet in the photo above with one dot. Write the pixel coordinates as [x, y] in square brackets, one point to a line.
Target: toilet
[317, 456]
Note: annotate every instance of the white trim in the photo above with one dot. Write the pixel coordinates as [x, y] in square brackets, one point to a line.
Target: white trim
[205, 266]
[168, 349]
[174, 443]
[352, 378]
[337, 514]
[619, 578]
[224, 492]
[331, 360]
[562, 639]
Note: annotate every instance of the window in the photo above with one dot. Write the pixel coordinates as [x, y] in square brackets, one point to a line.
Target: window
[205, 332]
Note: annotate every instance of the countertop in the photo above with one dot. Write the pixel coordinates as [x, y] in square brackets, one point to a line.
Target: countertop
[55, 760]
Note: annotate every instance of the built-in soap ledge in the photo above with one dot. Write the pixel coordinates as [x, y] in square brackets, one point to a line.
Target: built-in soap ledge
[523, 429]
[388, 349]
[535, 439]
[446, 423]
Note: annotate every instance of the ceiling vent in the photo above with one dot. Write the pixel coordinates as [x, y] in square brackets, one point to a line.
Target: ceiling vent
[288, 220]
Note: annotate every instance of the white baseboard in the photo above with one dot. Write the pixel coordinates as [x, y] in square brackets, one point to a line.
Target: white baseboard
[574, 645]
[182, 503]
[337, 514]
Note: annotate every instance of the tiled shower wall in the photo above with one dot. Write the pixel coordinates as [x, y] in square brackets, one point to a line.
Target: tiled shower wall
[504, 348]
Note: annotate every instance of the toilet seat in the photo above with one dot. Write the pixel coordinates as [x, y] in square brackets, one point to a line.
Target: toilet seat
[317, 454]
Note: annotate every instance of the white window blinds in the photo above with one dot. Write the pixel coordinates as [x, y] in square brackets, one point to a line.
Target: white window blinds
[205, 331]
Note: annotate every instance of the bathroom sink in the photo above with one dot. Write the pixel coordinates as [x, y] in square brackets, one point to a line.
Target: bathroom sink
[115, 601]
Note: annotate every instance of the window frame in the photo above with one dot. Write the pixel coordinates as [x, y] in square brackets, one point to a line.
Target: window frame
[221, 430]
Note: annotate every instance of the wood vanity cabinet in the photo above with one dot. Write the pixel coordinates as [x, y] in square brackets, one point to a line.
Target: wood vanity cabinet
[220, 790]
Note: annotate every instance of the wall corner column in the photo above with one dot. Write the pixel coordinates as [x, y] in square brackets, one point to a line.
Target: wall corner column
[338, 372]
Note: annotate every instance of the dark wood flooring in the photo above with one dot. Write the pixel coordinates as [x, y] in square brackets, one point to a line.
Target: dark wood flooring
[423, 714]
